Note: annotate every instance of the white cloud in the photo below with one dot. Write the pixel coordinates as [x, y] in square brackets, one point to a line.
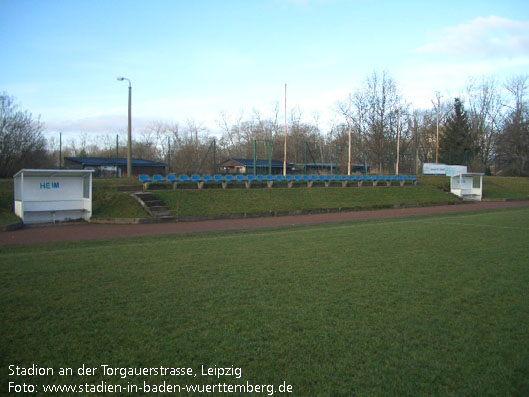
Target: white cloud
[484, 38]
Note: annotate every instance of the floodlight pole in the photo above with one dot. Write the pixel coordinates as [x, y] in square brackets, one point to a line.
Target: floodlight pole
[129, 132]
[398, 142]
[438, 95]
[349, 127]
[285, 140]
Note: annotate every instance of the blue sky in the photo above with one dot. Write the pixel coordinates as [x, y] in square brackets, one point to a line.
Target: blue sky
[196, 59]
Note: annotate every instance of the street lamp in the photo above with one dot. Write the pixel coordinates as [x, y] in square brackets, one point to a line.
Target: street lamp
[129, 134]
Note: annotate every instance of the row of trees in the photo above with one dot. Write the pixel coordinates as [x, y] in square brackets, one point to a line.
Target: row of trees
[486, 128]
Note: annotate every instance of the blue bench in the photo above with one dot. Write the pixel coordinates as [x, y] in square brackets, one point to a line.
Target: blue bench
[144, 178]
[158, 178]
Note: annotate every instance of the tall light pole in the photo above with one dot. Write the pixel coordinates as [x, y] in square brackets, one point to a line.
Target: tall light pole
[129, 134]
[285, 140]
[349, 122]
[398, 142]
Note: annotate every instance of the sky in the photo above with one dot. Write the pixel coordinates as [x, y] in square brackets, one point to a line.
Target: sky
[197, 59]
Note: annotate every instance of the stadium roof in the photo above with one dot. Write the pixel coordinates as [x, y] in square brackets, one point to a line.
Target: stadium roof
[102, 161]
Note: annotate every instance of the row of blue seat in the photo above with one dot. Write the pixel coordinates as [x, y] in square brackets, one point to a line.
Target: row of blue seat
[277, 178]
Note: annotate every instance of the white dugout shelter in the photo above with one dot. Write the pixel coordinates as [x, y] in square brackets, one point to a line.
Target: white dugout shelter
[468, 186]
[43, 196]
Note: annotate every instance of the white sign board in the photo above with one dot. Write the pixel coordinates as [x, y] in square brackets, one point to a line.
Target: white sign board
[453, 170]
[433, 169]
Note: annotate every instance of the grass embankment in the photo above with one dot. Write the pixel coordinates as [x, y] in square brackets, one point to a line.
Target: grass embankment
[425, 306]
[218, 201]
[494, 187]
[109, 203]
[7, 214]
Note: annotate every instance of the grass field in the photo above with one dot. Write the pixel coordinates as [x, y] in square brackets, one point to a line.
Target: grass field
[435, 305]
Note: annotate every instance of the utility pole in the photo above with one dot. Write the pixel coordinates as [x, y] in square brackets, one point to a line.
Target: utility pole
[168, 154]
[349, 127]
[438, 108]
[60, 149]
[398, 142]
[285, 140]
[117, 156]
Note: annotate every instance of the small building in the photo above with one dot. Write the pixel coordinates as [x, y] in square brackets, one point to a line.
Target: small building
[468, 186]
[331, 168]
[245, 166]
[43, 196]
[112, 167]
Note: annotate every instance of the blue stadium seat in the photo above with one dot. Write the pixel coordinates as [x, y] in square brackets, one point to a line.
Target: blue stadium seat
[336, 178]
[288, 178]
[171, 178]
[229, 178]
[413, 178]
[240, 178]
[314, 178]
[218, 178]
[196, 178]
[305, 178]
[183, 178]
[269, 177]
[250, 177]
[297, 178]
[207, 178]
[321, 178]
[328, 178]
[260, 178]
[344, 178]
[158, 178]
[144, 178]
[280, 178]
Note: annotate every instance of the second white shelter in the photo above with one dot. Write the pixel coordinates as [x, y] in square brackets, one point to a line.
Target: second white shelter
[43, 196]
[468, 186]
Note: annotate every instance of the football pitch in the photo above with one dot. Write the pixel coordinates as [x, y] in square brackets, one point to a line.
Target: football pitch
[430, 305]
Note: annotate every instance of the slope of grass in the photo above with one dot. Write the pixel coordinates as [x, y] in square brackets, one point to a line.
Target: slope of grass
[218, 201]
[494, 187]
[7, 214]
[425, 306]
[109, 203]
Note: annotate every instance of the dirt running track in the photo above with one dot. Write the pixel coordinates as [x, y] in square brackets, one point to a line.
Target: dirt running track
[93, 231]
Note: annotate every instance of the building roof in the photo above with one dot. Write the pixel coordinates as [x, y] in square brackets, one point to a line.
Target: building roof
[258, 163]
[52, 173]
[102, 161]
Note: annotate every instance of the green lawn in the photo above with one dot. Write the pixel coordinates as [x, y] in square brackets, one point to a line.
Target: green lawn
[218, 201]
[434, 305]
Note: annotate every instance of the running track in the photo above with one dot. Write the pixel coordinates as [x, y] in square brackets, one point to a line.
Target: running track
[94, 231]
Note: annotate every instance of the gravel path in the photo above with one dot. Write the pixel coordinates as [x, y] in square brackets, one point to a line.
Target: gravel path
[76, 232]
